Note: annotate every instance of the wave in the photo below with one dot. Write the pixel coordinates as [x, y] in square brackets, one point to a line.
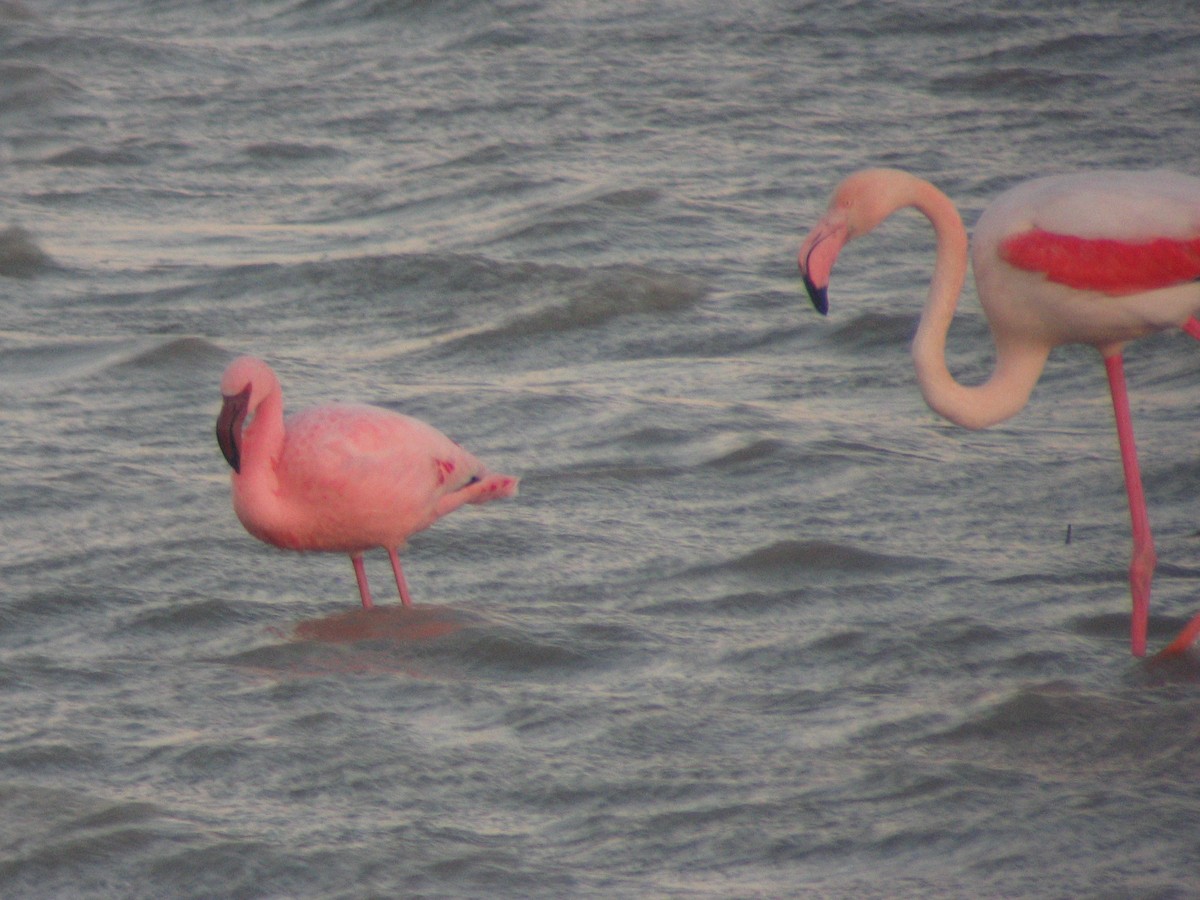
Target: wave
[31, 88]
[173, 351]
[826, 556]
[453, 301]
[15, 11]
[269, 155]
[312, 15]
[52, 363]
[20, 256]
[601, 295]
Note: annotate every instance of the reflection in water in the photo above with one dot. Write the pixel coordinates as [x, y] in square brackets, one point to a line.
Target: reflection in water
[382, 640]
[382, 623]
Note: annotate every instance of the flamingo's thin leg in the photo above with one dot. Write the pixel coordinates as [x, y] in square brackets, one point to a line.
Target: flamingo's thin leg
[360, 574]
[401, 585]
[1141, 566]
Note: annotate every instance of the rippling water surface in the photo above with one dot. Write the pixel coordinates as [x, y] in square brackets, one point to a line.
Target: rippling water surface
[759, 623]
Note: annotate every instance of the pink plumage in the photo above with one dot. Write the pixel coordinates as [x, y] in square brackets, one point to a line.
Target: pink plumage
[1100, 259]
[341, 477]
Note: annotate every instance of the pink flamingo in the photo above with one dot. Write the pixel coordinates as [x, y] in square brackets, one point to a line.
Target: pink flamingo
[340, 477]
[1096, 259]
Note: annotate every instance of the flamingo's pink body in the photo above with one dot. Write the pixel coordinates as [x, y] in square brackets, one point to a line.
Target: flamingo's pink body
[341, 477]
[1100, 259]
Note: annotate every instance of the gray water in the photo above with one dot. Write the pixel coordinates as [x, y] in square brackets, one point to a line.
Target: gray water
[759, 624]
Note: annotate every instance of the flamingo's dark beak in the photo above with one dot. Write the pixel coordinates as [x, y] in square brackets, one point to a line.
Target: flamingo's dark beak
[229, 427]
[818, 295]
[817, 255]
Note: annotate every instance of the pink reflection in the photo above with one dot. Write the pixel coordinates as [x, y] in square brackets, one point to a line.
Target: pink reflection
[381, 623]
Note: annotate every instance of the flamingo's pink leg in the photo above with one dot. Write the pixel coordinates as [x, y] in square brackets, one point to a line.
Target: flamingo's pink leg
[1192, 327]
[401, 585]
[1184, 640]
[1141, 567]
[360, 574]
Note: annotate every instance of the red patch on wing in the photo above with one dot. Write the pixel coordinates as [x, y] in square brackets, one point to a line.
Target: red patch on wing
[1099, 264]
[445, 468]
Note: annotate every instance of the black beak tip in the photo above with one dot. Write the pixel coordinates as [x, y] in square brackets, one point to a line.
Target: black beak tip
[818, 295]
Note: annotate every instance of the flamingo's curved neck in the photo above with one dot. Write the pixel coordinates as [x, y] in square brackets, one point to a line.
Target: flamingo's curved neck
[262, 445]
[1018, 365]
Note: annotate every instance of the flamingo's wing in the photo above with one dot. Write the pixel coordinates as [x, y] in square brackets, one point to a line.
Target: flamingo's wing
[1114, 232]
[1104, 264]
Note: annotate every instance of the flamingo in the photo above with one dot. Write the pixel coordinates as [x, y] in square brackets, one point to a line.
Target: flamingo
[341, 477]
[1099, 258]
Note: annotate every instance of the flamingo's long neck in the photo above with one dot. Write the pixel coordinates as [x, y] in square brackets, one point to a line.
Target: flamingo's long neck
[256, 487]
[1018, 365]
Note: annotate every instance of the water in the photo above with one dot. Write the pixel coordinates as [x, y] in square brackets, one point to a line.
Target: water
[759, 623]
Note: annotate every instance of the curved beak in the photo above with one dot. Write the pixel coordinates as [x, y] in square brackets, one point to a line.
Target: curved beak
[229, 427]
[818, 295]
[817, 255]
